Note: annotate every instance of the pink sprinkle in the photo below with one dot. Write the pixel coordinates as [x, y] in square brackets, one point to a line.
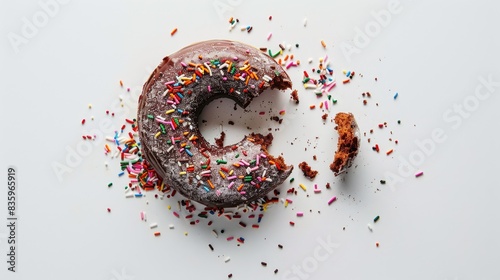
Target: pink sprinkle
[300, 214]
[326, 105]
[420, 173]
[290, 64]
[243, 192]
[269, 36]
[317, 191]
[170, 82]
[330, 86]
[142, 215]
[289, 200]
[235, 58]
[231, 184]
[332, 200]
[230, 238]
[254, 168]
[183, 64]
[209, 88]
[232, 178]
[263, 155]
[257, 160]
[315, 186]
[173, 127]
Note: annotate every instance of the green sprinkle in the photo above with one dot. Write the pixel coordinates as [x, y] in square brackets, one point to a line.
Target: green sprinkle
[110, 184]
[204, 166]
[399, 121]
[176, 120]
[334, 101]
[247, 178]
[162, 127]
[291, 180]
[237, 155]
[221, 161]
[329, 96]
[306, 80]
[151, 117]
[169, 141]
[376, 219]
[252, 162]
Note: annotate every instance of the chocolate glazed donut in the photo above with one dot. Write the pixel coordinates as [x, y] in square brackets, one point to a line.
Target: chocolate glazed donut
[169, 106]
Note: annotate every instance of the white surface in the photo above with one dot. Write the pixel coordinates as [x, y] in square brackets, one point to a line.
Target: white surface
[443, 225]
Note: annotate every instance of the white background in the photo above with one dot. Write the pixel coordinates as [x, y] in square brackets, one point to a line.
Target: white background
[443, 225]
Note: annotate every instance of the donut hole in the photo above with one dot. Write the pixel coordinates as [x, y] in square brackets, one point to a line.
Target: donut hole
[224, 115]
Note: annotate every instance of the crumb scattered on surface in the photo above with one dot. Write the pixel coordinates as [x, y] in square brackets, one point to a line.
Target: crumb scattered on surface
[295, 96]
[220, 141]
[306, 169]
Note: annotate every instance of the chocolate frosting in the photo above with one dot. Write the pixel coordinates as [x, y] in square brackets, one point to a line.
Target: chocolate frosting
[170, 104]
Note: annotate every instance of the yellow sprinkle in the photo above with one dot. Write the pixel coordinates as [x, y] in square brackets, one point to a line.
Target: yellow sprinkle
[170, 111]
[286, 203]
[186, 233]
[157, 134]
[222, 174]
[182, 173]
[303, 187]
[245, 67]
[169, 207]
[231, 172]
[90, 106]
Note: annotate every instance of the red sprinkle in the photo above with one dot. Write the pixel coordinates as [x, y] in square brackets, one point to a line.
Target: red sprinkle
[83, 121]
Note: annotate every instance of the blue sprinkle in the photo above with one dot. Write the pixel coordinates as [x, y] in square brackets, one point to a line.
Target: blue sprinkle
[188, 152]
[180, 111]
[206, 188]
[180, 95]
[121, 173]
[138, 195]
[396, 95]
[348, 74]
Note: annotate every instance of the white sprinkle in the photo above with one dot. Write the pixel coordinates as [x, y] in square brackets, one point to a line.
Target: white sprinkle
[289, 47]
[305, 22]
[153, 225]
[370, 227]
[171, 226]
[226, 259]
[310, 60]
[129, 195]
[214, 232]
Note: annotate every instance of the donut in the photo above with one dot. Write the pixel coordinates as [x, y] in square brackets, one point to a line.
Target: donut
[347, 144]
[169, 106]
